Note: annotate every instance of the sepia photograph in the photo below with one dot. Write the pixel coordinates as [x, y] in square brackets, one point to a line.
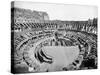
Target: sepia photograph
[50, 37]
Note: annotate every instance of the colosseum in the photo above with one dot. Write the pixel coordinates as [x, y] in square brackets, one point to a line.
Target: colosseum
[42, 45]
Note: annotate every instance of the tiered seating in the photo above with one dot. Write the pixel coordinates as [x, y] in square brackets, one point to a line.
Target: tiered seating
[18, 39]
[70, 39]
[31, 33]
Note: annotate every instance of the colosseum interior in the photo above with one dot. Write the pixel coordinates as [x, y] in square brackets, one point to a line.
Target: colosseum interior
[41, 45]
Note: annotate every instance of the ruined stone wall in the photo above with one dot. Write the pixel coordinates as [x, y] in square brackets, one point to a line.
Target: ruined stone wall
[27, 16]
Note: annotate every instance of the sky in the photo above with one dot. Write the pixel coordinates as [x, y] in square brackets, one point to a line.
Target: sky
[61, 11]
